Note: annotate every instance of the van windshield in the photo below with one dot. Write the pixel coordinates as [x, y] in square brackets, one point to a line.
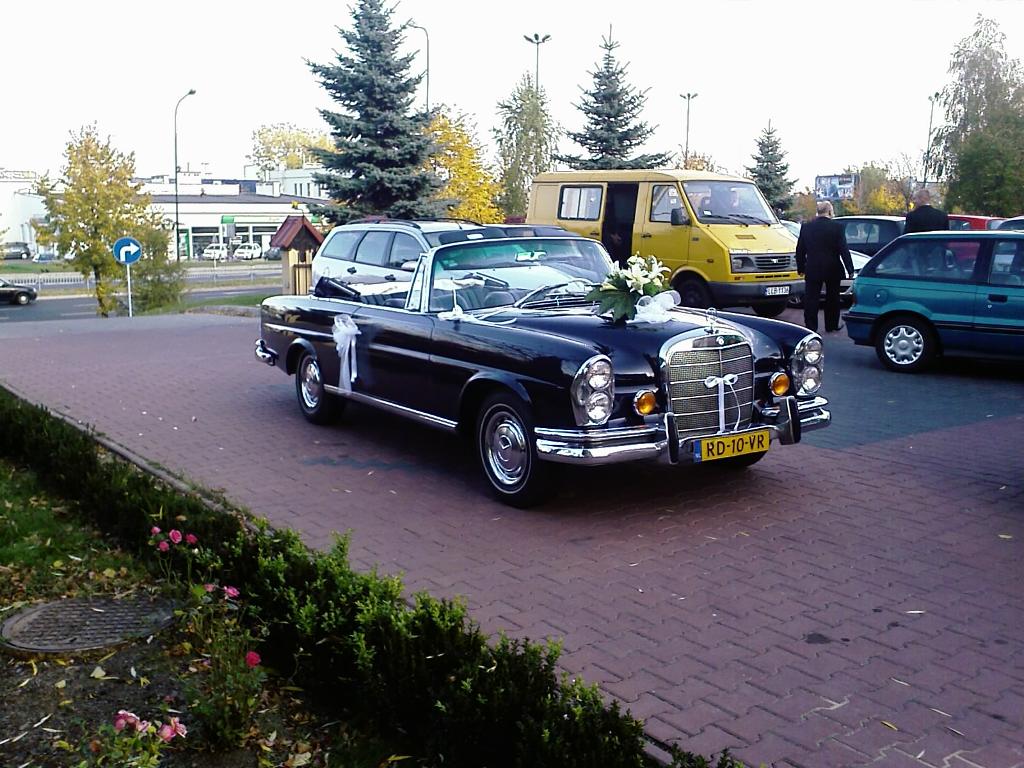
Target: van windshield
[727, 202]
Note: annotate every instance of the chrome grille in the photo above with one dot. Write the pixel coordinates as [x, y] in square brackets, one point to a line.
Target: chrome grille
[694, 405]
[774, 262]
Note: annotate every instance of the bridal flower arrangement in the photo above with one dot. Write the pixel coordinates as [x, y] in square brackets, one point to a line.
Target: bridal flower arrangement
[623, 287]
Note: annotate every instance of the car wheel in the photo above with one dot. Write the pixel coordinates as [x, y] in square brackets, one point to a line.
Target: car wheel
[316, 404]
[741, 462]
[22, 298]
[774, 309]
[693, 293]
[905, 345]
[508, 455]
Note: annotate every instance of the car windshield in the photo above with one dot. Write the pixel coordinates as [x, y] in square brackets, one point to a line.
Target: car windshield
[530, 272]
[727, 202]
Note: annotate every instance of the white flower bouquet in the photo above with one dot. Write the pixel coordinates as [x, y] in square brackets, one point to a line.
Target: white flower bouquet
[623, 287]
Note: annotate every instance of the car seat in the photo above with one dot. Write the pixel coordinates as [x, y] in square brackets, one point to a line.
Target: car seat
[498, 299]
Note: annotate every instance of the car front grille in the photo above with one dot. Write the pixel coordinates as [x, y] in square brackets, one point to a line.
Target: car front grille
[774, 262]
[694, 404]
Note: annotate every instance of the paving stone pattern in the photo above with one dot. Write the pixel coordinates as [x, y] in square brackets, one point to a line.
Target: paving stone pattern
[856, 599]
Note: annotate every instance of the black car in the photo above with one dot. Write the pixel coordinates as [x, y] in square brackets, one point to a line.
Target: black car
[867, 234]
[495, 339]
[17, 294]
[16, 251]
[1016, 222]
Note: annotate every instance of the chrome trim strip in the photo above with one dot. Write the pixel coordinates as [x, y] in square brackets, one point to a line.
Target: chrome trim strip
[424, 418]
[802, 405]
[400, 351]
[562, 453]
[287, 329]
[609, 435]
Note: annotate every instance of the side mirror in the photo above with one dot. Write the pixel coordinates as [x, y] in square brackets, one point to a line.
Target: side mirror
[679, 218]
[409, 266]
[329, 288]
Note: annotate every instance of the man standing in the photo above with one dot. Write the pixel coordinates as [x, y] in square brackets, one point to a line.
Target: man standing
[821, 255]
[924, 218]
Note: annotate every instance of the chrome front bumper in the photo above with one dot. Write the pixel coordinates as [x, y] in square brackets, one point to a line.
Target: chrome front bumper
[785, 422]
[264, 353]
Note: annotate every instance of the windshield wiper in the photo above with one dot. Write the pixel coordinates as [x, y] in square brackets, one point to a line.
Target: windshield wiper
[542, 295]
[744, 217]
[488, 279]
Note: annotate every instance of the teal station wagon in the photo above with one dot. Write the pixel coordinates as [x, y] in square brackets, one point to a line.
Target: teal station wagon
[941, 293]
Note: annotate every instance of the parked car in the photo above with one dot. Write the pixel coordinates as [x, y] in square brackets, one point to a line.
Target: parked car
[17, 251]
[46, 257]
[961, 221]
[792, 226]
[845, 285]
[867, 234]
[1015, 223]
[941, 293]
[216, 251]
[272, 254]
[17, 294]
[494, 339]
[248, 251]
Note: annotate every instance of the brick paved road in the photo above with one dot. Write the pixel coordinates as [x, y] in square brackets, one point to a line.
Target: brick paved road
[855, 599]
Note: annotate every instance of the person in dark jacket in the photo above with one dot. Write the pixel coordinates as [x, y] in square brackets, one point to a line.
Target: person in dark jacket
[821, 257]
[924, 218]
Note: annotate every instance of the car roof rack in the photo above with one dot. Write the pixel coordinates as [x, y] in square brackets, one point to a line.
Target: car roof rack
[383, 220]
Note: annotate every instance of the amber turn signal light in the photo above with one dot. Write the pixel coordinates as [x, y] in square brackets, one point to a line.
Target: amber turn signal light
[779, 384]
[645, 402]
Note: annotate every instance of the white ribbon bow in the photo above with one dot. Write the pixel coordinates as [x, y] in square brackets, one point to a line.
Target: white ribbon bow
[345, 332]
[655, 309]
[729, 380]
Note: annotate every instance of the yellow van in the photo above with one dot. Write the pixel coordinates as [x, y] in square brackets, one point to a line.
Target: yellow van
[717, 235]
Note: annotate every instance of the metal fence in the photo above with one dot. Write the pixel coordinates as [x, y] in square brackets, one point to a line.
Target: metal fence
[251, 274]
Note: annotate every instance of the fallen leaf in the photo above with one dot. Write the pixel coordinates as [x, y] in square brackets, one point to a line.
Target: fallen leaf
[899, 682]
[98, 673]
[43, 720]
[1005, 536]
[110, 573]
[60, 684]
[954, 730]
[295, 761]
[887, 724]
[944, 714]
[24, 682]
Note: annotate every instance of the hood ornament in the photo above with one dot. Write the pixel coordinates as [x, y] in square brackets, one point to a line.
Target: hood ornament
[711, 314]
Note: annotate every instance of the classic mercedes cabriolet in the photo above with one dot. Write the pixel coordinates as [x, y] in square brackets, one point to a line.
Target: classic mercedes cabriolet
[496, 339]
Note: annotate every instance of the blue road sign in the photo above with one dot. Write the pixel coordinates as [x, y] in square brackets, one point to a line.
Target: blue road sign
[127, 250]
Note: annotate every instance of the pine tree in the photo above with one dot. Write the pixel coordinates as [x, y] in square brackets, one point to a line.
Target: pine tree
[379, 164]
[770, 169]
[526, 139]
[612, 131]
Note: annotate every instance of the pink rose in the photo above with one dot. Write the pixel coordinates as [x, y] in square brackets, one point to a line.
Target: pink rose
[190, 539]
[141, 725]
[124, 718]
[231, 592]
[175, 536]
[178, 727]
[163, 546]
[209, 587]
[252, 659]
[154, 530]
[166, 733]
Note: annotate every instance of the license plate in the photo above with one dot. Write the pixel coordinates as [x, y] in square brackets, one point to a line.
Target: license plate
[712, 448]
[776, 290]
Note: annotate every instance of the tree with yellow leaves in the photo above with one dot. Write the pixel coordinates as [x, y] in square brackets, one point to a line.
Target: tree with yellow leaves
[457, 160]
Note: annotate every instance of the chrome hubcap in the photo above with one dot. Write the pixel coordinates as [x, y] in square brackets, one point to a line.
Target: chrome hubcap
[904, 344]
[310, 375]
[505, 447]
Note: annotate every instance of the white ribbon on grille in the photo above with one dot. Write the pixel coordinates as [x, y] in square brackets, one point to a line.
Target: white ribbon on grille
[345, 332]
[655, 309]
[721, 382]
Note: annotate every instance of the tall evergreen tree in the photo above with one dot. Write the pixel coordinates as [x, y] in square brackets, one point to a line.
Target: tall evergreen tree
[379, 164]
[526, 139]
[612, 132]
[770, 169]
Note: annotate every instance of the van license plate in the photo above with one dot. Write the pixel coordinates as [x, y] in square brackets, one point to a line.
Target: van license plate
[776, 290]
[711, 448]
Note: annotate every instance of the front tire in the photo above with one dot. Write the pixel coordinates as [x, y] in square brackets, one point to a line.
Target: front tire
[694, 293]
[772, 309]
[22, 299]
[906, 345]
[508, 456]
[316, 404]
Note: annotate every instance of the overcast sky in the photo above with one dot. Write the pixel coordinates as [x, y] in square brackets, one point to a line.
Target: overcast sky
[843, 82]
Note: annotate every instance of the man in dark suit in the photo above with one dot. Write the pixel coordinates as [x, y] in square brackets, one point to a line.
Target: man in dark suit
[821, 256]
[924, 218]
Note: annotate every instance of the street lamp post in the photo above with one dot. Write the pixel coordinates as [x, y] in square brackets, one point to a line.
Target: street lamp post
[177, 236]
[686, 151]
[928, 146]
[536, 40]
[427, 84]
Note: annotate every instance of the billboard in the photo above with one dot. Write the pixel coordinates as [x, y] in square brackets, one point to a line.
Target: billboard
[838, 187]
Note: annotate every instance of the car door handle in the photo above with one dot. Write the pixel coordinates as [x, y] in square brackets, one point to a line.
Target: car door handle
[389, 277]
[646, 234]
[352, 270]
[998, 297]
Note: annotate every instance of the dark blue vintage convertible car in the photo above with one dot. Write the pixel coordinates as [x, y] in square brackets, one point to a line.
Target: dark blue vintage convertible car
[496, 340]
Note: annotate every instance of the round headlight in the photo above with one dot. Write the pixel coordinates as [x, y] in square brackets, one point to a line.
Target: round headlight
[779, 384]
[812, 352]
[599, 375]
[598, 406]
[810, 380]
[644, 402]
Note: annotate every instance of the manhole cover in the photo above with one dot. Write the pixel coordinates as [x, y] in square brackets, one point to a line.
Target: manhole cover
[82, 624]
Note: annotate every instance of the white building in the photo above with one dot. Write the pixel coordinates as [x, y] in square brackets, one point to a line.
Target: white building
[289, 181]
[19, 205]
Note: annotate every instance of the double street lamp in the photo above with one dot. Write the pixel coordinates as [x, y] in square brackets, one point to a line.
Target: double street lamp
[686, 151]
[427, 84]
[536, 40]
[177, 236]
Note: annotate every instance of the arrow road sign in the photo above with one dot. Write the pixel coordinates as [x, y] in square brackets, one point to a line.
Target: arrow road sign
[127, 250]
